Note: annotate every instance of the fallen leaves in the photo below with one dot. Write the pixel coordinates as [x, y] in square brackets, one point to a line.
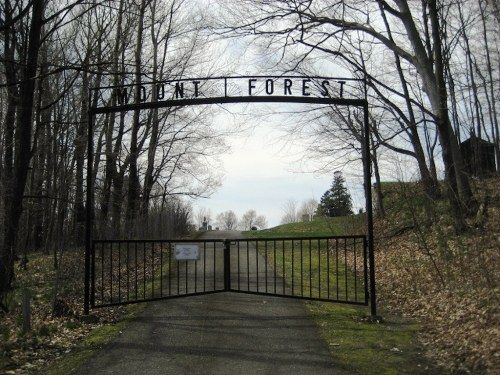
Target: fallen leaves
[451, 287]
[51, 336]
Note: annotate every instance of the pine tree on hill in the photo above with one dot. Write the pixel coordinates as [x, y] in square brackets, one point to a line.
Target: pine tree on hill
[336, 201]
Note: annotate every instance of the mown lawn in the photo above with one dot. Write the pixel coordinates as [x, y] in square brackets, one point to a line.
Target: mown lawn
[359, 343]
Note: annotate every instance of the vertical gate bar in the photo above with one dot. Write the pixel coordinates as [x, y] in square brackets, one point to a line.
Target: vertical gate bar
[310, 269]
[257, 263]
[328, 268]
[365, 269]
[319, 268]
[337, 266]
[102, 272]
[136, 271]
[293, 265]
[111, 271]
[196, 275]
[215, 266]
[369, 206]
[238, 257]
[248, 265]
[274, 268]
[119, 272]
[204, 266]
[92, 276]
[187, 273]
[345, 269]
[152, 269]
[88, 207]
[302, 267]
[170, 268]
[128, 271]
[178, 278]
[144, 265]
[161, 269]
[284, 263]
[227, 265]
[355, 273]
[265, 264]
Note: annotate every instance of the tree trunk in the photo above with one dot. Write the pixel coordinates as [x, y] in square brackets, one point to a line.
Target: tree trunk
[153, 140]
[14, 208]
[430, 185]
[133, 182]
[110, 168]
[431, 70]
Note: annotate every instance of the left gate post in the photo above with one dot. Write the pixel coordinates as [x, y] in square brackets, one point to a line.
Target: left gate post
[88, 210]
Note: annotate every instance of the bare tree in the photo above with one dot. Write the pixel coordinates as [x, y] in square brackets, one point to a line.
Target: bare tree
[290, 214]
[247, 220]
[227, 220]
[52, 53]
[261, 222]
[250, 219]
[22, 138]
[308, 208]
[320, 28]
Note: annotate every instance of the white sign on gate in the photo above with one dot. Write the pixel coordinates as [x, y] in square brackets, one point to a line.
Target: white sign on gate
[187, 251]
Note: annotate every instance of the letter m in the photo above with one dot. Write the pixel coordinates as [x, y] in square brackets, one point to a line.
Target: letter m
[122, 95]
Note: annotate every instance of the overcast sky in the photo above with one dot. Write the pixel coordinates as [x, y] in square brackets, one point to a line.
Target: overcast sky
[262, 171]
[260, 168]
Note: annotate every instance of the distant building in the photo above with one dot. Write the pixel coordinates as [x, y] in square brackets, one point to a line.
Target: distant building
[479, 156]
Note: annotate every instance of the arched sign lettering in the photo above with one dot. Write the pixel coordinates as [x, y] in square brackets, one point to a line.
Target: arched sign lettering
[325, 90]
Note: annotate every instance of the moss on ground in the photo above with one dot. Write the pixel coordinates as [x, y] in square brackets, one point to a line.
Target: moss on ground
[92, 344]
[360, 346]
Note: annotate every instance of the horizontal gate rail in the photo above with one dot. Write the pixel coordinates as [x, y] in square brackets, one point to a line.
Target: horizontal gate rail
[328, 268]
[130, 271]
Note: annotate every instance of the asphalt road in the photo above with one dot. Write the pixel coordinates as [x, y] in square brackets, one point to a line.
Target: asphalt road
[225, 333]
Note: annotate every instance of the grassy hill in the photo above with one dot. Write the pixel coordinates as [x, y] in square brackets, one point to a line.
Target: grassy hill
[321, 226]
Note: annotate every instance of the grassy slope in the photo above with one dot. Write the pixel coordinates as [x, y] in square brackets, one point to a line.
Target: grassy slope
[359, 346]
[323, 226]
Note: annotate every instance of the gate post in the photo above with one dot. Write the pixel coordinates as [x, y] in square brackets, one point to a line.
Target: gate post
[227, 265]
[369, 210]
[88, 210]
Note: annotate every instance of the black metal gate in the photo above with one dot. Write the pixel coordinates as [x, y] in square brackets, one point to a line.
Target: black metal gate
[119, 272]
[320, 268]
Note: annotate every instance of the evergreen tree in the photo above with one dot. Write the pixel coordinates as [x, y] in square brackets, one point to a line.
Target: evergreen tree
[336, 201]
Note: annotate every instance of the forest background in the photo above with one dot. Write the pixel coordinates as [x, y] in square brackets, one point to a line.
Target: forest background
[431, 70]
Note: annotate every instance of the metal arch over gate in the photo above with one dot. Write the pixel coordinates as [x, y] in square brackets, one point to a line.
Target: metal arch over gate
[357, 251]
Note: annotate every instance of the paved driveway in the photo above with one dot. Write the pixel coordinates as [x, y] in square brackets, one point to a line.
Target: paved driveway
[225, 333]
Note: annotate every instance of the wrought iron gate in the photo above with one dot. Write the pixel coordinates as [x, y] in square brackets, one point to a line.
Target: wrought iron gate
[320, 268]
[113, 268]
